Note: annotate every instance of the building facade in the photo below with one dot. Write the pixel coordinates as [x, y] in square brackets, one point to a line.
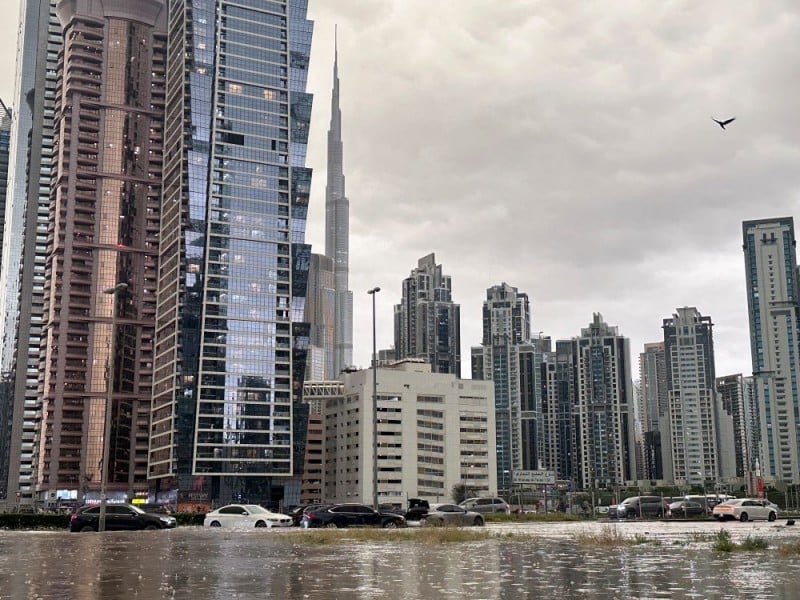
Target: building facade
[772, 302]
[427, 323]
[434, 432]
[100, 274]
[231, 340]
[604, 411]
[25, 241]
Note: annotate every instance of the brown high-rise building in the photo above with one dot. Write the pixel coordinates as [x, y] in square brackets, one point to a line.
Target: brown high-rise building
[104, 223]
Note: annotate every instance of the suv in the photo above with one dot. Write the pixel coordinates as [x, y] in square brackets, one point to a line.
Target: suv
[486, 505]
[641, 506]
[119, 517]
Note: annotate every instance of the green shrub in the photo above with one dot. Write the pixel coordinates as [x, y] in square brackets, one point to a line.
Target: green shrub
[723, 543]
[189, 518]
[33, 521]
[753, 543]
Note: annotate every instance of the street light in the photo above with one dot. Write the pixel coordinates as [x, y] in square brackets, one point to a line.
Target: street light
[372, 293]
[113, 292]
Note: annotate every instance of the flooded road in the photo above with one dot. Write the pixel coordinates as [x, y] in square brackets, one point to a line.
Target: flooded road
[544, 560]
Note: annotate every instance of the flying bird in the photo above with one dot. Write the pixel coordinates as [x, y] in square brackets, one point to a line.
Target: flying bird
[725, 122]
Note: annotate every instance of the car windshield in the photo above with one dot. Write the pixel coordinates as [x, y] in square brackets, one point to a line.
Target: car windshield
[255, 508]
[136, 509]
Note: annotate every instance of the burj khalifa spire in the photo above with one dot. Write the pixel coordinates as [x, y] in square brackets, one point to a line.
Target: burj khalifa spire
[337, 232]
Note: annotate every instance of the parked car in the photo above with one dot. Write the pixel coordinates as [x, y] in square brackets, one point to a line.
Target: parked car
[486, 505]
[298, 511]
[745, 509]
[639, 506]
[245, 516]
[119, 517]
[686, 508]
[439, 515]
[351, 515]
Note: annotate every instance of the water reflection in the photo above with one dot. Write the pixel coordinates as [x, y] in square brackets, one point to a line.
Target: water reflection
[202, 564]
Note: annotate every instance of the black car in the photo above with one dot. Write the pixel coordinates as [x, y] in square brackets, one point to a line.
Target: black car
[687, 508]
[119, 517]
[350, 515]
[298, 511]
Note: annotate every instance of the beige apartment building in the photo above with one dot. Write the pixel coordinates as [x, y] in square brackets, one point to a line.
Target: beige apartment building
[434, 431]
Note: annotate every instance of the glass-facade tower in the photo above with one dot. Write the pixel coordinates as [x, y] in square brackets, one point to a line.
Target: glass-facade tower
[427, 323]
[27, 224]
[773, 304]
[504, 358]
[233, 266]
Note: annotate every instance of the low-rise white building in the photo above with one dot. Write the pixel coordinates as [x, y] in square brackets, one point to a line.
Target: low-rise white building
[434, 431]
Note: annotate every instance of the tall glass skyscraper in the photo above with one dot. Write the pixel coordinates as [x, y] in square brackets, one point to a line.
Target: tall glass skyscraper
[26, 232]
[427, 323]
[509, 359]
[337, 235]
[233, 264]
[603, 412]
[773, 304]
[95, 362]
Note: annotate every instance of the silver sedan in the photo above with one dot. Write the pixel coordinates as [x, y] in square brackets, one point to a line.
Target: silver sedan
[451, 514]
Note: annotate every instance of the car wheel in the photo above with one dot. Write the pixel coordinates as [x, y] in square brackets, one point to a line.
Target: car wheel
[331, 525]
[390, 525]
[86, 529]
[772, 516]
[478, 522]
[151, 527]
[215, 524]
[260, 524]
[743, 517]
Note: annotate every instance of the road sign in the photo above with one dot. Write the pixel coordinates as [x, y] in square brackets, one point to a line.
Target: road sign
[535, 477]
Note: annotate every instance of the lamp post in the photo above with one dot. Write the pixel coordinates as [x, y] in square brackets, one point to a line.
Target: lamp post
[372, 293]
[113, 292]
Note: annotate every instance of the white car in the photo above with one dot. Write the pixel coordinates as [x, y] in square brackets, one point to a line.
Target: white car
[745, 509]
[245, 516]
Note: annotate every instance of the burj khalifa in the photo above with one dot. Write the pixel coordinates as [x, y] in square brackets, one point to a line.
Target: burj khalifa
[337, 232]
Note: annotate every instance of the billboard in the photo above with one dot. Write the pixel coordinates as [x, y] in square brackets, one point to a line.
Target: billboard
[534, 477]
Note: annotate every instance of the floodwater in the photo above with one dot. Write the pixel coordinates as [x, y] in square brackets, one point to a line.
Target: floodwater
[543, 560]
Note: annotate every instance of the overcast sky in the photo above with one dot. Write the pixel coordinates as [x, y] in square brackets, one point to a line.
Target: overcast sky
[564, 147]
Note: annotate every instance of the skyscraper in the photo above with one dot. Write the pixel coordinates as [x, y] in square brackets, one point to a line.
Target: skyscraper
[6, 382]
[26, 231]
[507, 357]
[604, 419]
[558, 383]
[735, 398]
[103, 237]
[653, 413]
[337, 234]
[320, 315]
[427, 323]
[230, 342]
[5, 146]
[773, 298]
[698, 450]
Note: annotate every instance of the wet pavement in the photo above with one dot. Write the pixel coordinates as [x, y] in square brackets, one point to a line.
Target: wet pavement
[542, 560]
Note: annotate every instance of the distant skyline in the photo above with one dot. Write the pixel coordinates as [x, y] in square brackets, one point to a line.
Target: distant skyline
[566, 149]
